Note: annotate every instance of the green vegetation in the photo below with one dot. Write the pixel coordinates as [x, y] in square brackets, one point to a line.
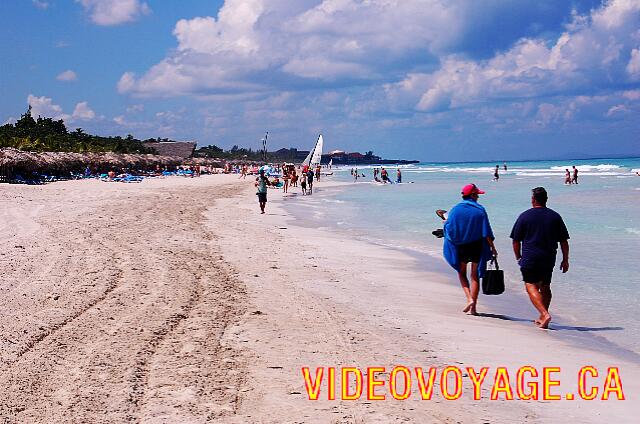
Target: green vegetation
[241, 153]
[48, 135]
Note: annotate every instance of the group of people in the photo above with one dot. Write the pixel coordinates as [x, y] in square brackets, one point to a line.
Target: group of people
[384, 176]
[356, 174]
[496, 173]
[535, 236]
[290, 179]
[307, 175]
[571, 177]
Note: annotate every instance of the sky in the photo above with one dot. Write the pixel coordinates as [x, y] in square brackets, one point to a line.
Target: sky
[434, 80]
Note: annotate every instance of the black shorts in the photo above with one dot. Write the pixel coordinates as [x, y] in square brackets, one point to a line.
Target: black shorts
[470, 252]
[537, 275]
[262, 197]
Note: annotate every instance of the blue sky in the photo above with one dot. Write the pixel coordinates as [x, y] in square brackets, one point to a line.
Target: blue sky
[435, 80]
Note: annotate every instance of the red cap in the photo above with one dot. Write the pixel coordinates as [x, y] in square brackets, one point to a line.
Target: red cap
[470, 189]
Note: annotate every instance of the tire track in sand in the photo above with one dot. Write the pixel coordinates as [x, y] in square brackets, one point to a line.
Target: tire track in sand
[109, 359]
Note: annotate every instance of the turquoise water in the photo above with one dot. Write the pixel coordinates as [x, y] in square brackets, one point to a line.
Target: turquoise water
[601, 212]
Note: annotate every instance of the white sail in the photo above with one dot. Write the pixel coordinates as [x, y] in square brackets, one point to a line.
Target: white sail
[315, 155]
[317, 152]
[307, 160]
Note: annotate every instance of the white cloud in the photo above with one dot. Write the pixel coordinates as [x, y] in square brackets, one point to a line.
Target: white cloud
[114, 12]
[631, 94]
[617, 109]
[83, 112]
[67, 76]
[135, 108]
[40, 4]
[633, 67]
[326, 41]
[590, 53]
[44, 106]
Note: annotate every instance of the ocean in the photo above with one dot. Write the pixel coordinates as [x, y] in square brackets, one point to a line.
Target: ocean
[596, 300]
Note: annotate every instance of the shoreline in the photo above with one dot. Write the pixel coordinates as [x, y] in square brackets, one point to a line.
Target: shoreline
[514, 305]
[381, 295]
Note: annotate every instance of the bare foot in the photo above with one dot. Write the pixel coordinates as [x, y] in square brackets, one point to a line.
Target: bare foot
[469, 306]
[544, 323]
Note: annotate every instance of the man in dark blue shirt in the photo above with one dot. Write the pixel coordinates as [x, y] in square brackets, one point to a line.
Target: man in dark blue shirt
[536, 235]
[310, 181]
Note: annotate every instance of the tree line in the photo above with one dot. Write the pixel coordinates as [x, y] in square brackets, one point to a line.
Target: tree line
[50, 135]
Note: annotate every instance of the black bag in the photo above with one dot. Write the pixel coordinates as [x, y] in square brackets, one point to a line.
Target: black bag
[493, 280]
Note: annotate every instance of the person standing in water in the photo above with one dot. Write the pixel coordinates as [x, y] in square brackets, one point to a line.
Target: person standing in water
[496, 175]
[567, 177]
[536, 235]
[398, 176]
[575, 175]
[504, 165]
[468, 238]
[384, 175]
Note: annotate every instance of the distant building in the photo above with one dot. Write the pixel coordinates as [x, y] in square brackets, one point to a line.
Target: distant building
[183, 149]
[340, 157]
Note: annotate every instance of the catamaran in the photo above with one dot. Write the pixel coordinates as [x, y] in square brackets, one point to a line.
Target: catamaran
[315, 155]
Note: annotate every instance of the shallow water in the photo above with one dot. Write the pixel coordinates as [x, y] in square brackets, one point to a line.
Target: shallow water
[599, 292]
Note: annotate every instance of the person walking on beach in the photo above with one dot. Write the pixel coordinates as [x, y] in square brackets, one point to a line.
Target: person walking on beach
[496, 175]
[310, 181]
[575, 175]
[536, 235]
[261, 183]
[285, 178]
[468, 238]
[567, 177]
[303, 184]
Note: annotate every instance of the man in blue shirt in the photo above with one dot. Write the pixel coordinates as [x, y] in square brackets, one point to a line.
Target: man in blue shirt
[261, 184]
[536, 235]
[469, 239]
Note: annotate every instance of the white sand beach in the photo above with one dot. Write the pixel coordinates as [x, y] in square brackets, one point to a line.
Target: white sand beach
[174, 300]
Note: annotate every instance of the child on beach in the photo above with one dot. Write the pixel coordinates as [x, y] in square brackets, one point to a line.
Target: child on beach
[303, 185]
